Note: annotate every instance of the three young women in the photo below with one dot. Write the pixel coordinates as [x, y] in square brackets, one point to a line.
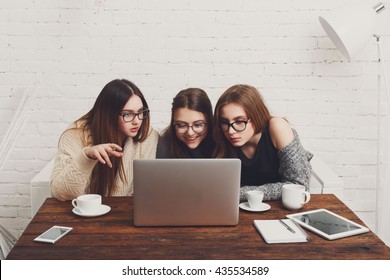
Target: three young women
[95, 154]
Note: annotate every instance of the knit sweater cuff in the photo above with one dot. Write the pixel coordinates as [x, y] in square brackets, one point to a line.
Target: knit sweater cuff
[84, 163]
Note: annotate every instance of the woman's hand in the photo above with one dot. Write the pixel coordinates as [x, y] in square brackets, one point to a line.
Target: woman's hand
[103, 152]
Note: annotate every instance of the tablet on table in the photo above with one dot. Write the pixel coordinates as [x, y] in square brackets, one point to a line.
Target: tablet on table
[327, 224]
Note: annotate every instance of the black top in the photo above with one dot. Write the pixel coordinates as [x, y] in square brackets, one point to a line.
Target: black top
[263, 168]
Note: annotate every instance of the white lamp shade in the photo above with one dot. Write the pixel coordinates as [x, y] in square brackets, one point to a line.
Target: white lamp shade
[350, 28]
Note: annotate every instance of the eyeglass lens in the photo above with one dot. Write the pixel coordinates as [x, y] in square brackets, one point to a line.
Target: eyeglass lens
[129, 116]
[196, 127]
[237, 126]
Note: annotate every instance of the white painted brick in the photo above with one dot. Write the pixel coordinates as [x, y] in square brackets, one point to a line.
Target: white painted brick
[361, 205]
[368, 217]
[360, 183]
[8, 212]
[320, 5]
[26, 42]
[216, 5]
[37, 141]
[68, 50]
[277, 5]
[24, 15]
[16, 79]
[4, 15]
[8, 189]
[54, 4]
[19, 53]
[16, 29]
[22, 154]
[15, 226]
[5, 66]
[15, 200]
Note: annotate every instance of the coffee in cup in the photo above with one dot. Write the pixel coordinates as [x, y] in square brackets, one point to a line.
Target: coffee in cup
[88, 203]
[255, 198]
[294, 196]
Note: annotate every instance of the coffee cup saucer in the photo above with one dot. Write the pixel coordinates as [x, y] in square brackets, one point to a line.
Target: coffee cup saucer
[103, 209]
[261, 208]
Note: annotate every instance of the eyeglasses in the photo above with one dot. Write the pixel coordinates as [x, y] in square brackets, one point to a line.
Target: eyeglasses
[237, 125]
[130, 116]
[182, 128]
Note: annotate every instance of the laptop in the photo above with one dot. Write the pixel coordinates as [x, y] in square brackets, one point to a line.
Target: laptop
[186, 192]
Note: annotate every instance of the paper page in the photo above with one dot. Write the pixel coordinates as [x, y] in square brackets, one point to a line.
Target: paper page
[274, 231]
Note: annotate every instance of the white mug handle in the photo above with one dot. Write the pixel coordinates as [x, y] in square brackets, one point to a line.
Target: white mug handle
[307, 194]
[74, 203]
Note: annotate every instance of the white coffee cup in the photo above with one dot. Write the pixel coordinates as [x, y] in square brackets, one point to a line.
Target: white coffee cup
[88, 203]
[255, 198]
[294, 196]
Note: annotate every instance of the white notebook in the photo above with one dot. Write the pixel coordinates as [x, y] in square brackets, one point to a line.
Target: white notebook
[280, 231]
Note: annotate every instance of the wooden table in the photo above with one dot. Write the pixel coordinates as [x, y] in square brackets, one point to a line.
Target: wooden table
[113, 236]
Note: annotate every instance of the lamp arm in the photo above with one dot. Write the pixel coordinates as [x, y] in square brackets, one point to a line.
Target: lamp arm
[384, 74]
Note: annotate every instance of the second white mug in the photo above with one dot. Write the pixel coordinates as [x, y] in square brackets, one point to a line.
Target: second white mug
[294, 196]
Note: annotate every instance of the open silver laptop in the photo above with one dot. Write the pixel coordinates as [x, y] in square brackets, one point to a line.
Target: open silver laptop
[186, 192]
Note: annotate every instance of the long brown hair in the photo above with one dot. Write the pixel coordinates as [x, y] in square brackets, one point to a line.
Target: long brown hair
[100, 125]
[250, 99]
[194, 99]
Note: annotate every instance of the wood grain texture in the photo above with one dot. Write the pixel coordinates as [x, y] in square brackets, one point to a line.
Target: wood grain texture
[114, 236]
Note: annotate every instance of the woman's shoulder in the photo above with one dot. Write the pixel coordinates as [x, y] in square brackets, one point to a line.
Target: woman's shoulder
[153, 137]
[281, 132]
[278, 122]
[75, 130]
[154, 133]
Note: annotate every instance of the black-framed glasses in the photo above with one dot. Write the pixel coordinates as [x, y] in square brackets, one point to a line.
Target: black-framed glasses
[182, 128]
[237, 125]
[130, 116]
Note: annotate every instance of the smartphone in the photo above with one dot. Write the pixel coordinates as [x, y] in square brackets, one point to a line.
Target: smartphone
[53, 234]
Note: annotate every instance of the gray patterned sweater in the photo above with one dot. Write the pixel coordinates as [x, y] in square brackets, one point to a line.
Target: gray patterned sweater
[294, 168]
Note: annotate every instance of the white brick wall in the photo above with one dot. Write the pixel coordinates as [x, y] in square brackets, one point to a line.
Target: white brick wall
[68, 50]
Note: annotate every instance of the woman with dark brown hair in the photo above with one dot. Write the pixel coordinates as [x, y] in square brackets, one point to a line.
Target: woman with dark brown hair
[96, 153]
[270, 150]
[189, 134]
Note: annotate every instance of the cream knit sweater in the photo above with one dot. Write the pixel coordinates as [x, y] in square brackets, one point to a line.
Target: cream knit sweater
[72, 169]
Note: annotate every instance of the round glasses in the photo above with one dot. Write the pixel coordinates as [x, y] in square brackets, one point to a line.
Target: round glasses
[130, 116]
[182, 128]
[237, 125]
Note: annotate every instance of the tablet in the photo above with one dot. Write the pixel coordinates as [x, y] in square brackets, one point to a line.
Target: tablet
[327, 224]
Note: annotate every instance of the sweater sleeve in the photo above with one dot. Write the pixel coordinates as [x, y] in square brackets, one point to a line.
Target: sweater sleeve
[72, 169]
[294, 168]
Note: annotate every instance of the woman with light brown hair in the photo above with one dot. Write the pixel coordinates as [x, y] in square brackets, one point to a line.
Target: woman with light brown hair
[96, 153]
[270, 150]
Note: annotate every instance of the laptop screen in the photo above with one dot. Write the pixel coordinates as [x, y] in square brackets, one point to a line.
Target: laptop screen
[185, 192]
